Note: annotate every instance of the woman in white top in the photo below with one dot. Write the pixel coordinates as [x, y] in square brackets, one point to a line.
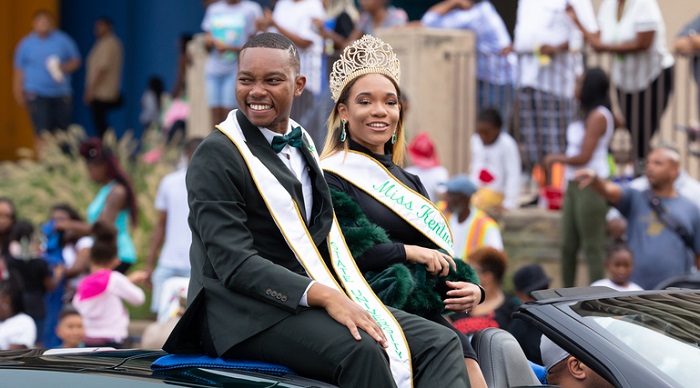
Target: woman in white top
[635, 32]
[588, 138]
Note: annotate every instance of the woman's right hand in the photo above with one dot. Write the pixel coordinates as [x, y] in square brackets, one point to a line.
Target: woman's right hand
[436, 262]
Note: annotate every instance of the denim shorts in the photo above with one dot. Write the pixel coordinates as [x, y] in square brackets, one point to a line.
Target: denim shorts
[221, 90]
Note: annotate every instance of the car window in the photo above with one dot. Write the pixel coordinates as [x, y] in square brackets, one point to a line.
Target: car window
[664, 329]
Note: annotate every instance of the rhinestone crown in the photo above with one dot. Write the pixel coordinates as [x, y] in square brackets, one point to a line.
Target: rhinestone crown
[367, 55]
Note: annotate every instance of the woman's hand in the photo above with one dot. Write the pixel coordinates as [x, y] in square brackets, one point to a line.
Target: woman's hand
[462, 297]
[436, 262]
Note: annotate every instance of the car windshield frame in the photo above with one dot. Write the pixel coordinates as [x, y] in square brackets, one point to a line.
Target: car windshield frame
[594, 312]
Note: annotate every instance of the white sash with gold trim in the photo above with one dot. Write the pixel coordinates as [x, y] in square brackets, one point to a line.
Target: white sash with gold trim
[374, 179]
[289, 220]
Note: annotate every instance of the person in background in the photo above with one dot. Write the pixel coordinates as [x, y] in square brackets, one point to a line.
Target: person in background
[184, 61]
[376, 14]
[99, 296]
[588, 139]
[648, 214]
[338, 24]
[171, 231]
[43, 63]
[103, 74]
[115, 203]
[471, 227]
[17, 329]
[70, 329]
[151, 103]
[295, 20]
[228, 24]
[567, 371]
[634, 32]
[8, 217]
[495, 62]
[548, 67]
[425, 164]
[490, 264]
[619, 264]
[66, 249]
[32, 273]
[527, 280]
[495, 165]
[688, 43]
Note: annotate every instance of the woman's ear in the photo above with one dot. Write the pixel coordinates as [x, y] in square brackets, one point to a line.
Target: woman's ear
[343, 111]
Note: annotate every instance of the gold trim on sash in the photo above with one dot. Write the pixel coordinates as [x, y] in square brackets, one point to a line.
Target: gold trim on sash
[282, 207]
[405, 202]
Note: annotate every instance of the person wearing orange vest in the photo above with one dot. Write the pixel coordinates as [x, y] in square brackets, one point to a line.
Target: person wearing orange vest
[471, 227]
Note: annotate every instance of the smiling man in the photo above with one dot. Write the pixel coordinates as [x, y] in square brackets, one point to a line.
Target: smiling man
[265, 285]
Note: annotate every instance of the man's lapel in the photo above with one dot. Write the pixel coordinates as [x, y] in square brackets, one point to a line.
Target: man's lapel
[322, 213]
[262, 150]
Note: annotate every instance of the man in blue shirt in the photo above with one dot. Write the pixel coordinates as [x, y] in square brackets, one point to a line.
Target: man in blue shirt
[43, 62]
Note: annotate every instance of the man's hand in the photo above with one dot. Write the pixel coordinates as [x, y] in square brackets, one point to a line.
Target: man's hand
[463, 296]
[436, 262]
[346, 312]
[585, 177]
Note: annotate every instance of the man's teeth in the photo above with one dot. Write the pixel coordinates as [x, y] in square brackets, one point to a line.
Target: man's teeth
[260, 107]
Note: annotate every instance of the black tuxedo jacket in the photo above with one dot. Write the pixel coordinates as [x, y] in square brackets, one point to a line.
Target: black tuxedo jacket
[244, 278]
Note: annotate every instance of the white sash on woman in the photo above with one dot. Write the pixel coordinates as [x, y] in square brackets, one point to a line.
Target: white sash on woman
[290, 222]
[374, 179]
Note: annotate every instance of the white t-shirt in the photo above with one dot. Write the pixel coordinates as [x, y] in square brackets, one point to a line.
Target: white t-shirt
[635, 71]
[497, 167]
[574, 140]
[431, 178]
[460, 231]
[17, 330]
[608, 283]
[172, 199]
[541, 22]
[296, 17]
[233, 24]
[70, 254]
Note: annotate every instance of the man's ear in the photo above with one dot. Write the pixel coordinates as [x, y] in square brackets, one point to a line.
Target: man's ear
[576, 368]
[299, 84]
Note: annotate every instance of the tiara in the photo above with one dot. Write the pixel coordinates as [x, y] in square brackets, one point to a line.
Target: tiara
[367, 55]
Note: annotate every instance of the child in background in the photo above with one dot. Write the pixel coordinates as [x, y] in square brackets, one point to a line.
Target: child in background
[70, 329]
[17, 329]
[99, 296]
[619, 263]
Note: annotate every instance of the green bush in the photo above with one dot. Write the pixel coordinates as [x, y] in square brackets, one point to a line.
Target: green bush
[59, 175]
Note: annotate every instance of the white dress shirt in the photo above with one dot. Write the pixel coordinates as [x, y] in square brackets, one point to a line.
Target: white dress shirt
[500, 162]
[293, 158]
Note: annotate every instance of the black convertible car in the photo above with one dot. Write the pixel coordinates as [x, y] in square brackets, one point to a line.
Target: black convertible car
[633, 339]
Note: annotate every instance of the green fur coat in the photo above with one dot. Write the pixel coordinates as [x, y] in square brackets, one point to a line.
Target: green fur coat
[408, 287]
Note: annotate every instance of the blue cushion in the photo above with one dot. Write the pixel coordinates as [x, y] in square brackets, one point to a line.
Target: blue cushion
[540, 372]
[177, 361]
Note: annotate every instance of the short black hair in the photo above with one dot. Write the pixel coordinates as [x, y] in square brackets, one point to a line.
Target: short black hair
[490, 116]
[616, 246]
[13, 291]
[104, 247]
[275, 41]
[106, 20]
[67, 311]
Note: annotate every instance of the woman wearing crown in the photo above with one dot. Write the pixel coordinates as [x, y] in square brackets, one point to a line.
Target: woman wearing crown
[399, 239]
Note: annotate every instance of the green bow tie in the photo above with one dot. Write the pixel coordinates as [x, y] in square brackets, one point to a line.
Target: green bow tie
[293, 139]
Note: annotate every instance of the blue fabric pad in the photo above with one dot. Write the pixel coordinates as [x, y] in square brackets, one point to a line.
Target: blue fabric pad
[178, 361]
